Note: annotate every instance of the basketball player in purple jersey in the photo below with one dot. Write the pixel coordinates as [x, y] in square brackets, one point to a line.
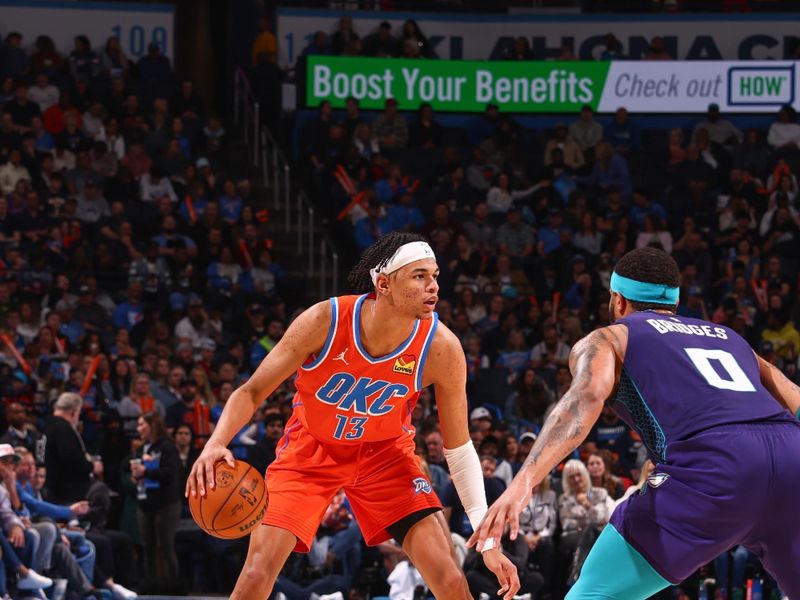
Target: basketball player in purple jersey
[714, 419]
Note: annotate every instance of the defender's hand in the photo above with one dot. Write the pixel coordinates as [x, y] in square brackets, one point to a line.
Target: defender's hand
[506, 509]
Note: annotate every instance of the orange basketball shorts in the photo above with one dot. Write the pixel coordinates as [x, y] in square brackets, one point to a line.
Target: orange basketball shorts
[383, 482]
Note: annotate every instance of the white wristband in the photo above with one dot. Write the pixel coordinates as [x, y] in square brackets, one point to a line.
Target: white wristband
[465, 470]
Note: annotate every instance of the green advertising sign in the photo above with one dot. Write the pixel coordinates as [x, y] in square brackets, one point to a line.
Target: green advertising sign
[459, 86]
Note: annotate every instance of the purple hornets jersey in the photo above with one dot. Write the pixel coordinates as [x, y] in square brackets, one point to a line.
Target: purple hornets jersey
[682, 376]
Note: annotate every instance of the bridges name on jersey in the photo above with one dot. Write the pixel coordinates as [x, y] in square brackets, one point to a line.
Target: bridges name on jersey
[361, 395]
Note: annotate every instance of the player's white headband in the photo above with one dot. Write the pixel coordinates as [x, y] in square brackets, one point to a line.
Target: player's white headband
[406, 254]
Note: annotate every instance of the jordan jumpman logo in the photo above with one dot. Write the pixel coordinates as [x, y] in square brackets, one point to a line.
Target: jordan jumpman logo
[341, 357]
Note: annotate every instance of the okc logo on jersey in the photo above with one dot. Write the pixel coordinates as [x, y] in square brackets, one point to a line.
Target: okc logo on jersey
[405, 364]
[364, 395]
[421, 485]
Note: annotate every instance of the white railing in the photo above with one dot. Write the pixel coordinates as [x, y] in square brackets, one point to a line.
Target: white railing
[268, 157]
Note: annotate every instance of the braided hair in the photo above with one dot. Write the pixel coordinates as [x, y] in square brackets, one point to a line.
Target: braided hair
[376, 256]
[650, 265]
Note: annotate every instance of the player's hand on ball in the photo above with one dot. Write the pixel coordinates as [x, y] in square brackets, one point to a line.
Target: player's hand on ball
[202, 474]
[505, 571]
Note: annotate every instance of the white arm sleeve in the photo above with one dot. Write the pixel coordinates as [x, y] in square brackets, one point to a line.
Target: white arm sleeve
[467, 475]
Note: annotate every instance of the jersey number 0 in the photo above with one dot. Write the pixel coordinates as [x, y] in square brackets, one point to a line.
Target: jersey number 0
[736, 379]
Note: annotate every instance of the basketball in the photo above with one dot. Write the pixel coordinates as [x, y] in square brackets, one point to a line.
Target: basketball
[235, 506]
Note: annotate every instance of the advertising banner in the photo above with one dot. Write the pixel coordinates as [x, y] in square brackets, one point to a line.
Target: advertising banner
[135, 25]
[746, 36]
[553, 87]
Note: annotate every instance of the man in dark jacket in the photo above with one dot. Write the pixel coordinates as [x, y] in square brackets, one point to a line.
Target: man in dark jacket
[262, 453]
[69, 467]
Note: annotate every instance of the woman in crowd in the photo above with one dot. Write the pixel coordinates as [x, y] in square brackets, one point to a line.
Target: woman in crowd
[156, 470]
[600, 466]
[531, 398]
[537, 523]
[187, 454]
[583, 511]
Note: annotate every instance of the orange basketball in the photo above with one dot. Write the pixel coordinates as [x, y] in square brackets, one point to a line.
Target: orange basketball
[235, 506]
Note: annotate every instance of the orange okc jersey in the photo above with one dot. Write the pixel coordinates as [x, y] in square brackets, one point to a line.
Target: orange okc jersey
[346, 396]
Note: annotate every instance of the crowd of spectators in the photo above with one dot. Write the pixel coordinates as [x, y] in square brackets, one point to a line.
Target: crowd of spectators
[139, 289]
[128, 244]
[527, 226]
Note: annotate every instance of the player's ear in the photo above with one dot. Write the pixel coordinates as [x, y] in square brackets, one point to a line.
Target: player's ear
[382, 285]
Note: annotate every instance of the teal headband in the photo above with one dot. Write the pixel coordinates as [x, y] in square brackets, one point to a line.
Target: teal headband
[639, 291]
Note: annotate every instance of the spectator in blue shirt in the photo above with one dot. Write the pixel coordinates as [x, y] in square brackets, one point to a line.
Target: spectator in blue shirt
[610, 170]
[372, 227]
[168, 240]
[129, 313]
[642, 207]
[230, 204]
[550, 234]
[318, 45]
[404, 216]
[622, 133]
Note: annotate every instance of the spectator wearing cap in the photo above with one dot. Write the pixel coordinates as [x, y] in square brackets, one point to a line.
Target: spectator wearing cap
[195, 326]
[92, 316]
[561, 140]
[21, 431]
[381, 43]
[192, 411]
[18, 542]
[481, 417]
[610, 171]
[154, 68]
[642, 207]
[390, 128]
[694, 305]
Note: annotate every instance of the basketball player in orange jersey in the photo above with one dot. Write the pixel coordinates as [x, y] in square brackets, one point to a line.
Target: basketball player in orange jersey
[361, 362]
